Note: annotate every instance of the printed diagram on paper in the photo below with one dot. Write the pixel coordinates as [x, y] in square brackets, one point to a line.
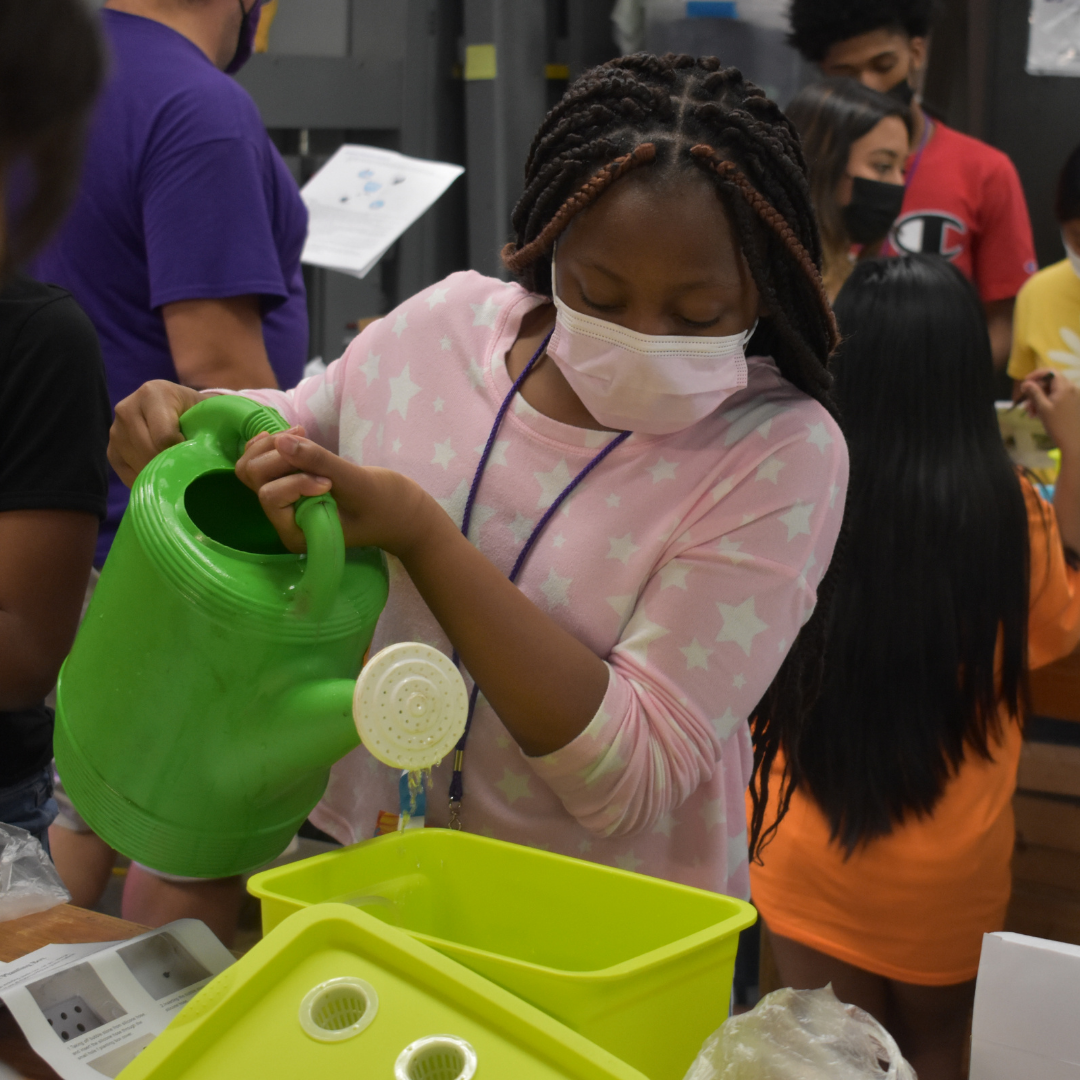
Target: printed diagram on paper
[1054, 38]
[89, 1010]
[362, 200]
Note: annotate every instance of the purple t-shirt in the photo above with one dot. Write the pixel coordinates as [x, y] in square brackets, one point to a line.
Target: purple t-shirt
[183, 197]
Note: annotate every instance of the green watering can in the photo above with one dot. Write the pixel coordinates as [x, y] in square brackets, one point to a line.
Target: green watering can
[214, 679]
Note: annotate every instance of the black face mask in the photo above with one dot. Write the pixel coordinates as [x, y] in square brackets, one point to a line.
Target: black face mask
[903, 92]
[874, 206]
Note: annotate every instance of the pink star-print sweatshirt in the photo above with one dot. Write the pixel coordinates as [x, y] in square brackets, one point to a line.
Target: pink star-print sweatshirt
[688, 562]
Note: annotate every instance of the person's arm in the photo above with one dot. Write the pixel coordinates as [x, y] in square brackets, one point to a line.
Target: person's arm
[999, 323]
[218, 343]
[53, 485]
[543, 683]
[1059, 410]
[45, 560]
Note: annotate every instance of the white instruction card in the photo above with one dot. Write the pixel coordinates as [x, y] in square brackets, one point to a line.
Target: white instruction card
[362, 200]
[88, 1010]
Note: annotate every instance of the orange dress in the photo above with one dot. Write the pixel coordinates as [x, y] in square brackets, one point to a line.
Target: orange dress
[914, 905]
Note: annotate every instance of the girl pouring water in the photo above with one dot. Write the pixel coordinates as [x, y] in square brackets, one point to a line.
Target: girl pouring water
[610, 488]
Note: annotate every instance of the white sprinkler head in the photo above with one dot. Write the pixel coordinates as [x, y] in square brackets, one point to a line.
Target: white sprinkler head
[410, 706]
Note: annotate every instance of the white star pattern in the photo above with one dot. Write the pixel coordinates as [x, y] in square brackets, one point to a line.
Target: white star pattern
[730, 550]
[629, 861]
[481, 515]
[725, 725]
[834, 490]
[613, 501]
[818, 436]
[663, 470]
[476, 376]
[714, 813]
[370, 368]
[485, 314]
[502, 742]
[696, 655]
[396, 446]
[321, 402]
[558, 541]
[454, 504]
[673, 574]
[621, 604]
[611, 761]
[552, 484]
[402, 391]
[514, 786]
[521, 527]
[621, 548]
[764, 429]
[782, 645]
[722, 489]
[585, 847]
[379, 434]
[739, 681]
[498, 451]
[664, 824]
[556, 589]
[438, 404]
[436, 296]
[797, 520]
[354, 430]
[811, 562]
[444, 344]
[639, 634]
[741, 624]
[769, 469]
[444, 454]
[401, 324]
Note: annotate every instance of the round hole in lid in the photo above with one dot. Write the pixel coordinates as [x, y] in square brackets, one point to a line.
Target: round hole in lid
[338, 1009]
[436, 1057]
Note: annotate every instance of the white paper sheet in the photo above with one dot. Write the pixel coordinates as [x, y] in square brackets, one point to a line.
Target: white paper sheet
[362, 200]
[1024, 1025]
[1054, 38]
[88, 1010]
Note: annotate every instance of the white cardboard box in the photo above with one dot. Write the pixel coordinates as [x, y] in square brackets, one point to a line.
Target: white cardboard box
[1027, 1010]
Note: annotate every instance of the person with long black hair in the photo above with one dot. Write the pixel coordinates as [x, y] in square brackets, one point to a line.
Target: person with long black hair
[892, 859]
[54, 411]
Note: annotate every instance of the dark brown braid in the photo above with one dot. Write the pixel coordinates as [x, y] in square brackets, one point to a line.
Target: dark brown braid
[681, 115]
[517, 259]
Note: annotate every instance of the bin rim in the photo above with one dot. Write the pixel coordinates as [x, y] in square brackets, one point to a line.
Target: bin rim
[744, 915]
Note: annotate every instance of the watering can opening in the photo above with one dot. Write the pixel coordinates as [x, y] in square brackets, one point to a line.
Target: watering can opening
[225, 510]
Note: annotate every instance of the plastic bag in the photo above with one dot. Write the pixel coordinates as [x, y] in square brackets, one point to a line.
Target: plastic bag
[801, 1035]
[28, 880]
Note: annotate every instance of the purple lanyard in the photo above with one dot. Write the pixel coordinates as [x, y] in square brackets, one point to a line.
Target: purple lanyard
[457, 791]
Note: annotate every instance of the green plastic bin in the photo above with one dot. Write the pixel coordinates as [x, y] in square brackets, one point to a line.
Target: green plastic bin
[334, 994]
[640, 966]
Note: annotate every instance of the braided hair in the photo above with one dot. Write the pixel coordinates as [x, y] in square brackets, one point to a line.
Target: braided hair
[673, 115]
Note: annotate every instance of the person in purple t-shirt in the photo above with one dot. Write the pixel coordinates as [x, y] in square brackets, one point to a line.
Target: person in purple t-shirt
[183, 246]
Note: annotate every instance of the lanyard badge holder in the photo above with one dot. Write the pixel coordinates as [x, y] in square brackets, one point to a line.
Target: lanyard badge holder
[457, 791]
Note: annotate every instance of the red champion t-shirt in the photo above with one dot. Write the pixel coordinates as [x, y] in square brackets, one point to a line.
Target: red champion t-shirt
[964, 201]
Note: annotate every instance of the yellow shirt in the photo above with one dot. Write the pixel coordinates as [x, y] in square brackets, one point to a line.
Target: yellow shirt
[1046, 324]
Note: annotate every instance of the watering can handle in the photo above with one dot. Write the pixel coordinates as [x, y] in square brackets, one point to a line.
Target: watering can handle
[232, 421]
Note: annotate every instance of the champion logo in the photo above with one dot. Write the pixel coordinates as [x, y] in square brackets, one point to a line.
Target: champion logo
[932, 231]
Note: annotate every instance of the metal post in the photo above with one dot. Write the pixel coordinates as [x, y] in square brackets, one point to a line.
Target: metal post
[505, 100]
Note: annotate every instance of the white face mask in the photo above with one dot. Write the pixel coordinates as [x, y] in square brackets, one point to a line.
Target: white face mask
[1073, 257]
[644, 382]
